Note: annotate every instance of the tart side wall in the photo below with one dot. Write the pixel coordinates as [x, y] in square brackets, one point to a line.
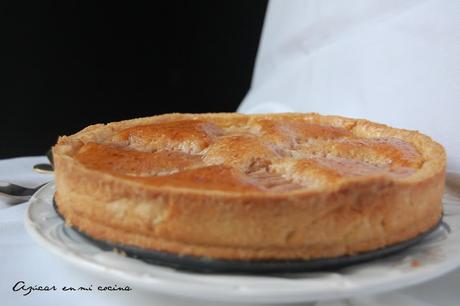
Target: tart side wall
[357, 217]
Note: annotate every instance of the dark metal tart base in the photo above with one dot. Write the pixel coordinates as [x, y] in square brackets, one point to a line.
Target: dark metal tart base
[211, 265]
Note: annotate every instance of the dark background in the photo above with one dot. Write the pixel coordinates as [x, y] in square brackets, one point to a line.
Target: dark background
[68, 65]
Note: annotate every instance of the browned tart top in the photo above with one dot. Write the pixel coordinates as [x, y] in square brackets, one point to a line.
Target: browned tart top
[258, 153]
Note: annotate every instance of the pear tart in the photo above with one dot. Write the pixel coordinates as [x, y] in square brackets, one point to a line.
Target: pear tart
[250, 187]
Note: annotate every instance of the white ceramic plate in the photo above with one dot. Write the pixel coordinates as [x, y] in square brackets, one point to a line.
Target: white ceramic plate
[434, 256]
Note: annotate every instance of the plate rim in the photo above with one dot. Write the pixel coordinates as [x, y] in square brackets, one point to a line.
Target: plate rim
[237, 294]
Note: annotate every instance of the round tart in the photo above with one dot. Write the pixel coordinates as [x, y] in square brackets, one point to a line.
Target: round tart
[250, 187]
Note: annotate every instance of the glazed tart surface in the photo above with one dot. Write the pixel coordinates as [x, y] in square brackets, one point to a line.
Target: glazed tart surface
[250, 187]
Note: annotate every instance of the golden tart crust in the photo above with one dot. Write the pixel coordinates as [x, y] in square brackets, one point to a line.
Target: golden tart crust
[250, 187]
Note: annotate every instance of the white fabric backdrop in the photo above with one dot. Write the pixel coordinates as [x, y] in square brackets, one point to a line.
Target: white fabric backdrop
[394, 61]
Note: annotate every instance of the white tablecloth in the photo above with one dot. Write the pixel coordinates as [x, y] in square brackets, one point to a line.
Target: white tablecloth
[21, 259]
